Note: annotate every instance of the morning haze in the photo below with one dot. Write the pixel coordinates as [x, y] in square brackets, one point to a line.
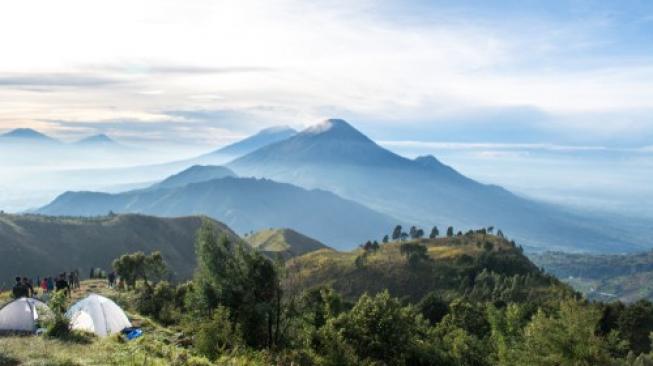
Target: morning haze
[326, 183]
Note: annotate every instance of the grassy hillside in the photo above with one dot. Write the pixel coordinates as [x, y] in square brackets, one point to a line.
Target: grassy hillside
[627, 277]
[159, 346]
[286, 242]
[463, 265]
[34, 245]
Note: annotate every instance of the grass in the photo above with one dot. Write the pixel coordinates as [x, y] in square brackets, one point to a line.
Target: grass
[388, 268]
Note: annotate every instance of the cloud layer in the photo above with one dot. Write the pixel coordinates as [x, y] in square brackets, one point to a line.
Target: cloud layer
[561, 72]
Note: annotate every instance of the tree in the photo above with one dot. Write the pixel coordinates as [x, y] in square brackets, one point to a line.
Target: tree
[413, 232]
[396, 233]
[135, 266]
[434, 233]
[385, 239]
[566, 338]
[243, 281]
[403, 236]
[450, 231]
[414, 253]
[635, 323]
[433, 307]
[379, 330]
[419, 234]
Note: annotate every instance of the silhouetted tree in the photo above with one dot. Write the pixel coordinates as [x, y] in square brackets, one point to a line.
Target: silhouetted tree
[413, 232]
[434, 232]
[450, 231]
[396, 233]
[385, 239]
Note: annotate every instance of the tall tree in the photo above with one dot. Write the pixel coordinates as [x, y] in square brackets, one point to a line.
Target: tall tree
[434, 232]
[396, 233]
[450, 231]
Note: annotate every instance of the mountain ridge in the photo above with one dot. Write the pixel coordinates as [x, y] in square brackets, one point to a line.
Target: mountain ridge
[334, 156]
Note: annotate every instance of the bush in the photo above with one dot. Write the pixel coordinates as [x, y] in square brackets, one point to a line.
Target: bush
[378, 330]
[162, 302]
[217, 335]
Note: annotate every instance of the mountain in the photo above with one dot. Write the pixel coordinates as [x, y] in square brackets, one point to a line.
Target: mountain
[286, 242]
[262, 138]
[98, 141]
[41, 245]
[195, 174]
[245, 204]
[26, 135]
[483, 267]
[335, 156]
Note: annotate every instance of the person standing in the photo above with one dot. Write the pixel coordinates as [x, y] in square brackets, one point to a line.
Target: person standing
[28, 285]
[19, 290]
[62, 285]
[44, 285]
[50, 284]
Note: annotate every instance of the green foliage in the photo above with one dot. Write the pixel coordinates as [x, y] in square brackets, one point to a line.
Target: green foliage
[217, 335]
[415, 253]
[131, 267]
[433, 308]
[163, 302]
[378, 329]
[241, 280]
[567, 337]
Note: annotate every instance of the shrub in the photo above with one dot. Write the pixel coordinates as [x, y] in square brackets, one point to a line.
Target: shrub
[217, 335]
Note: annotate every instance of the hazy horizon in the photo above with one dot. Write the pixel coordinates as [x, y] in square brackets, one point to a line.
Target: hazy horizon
[552, 101]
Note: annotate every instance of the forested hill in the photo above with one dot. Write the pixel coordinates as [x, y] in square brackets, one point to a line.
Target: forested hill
[35, 245]
[476, 265]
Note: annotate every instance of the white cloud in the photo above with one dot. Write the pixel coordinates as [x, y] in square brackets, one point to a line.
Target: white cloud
[306, 59]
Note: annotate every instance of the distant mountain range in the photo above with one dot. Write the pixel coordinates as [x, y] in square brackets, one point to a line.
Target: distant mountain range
[34, 245]
[98, 141]
[382, 187]
[245, 204]
[285, 242]
[30, 136]
[22, 135]
[262, 138]
[336, 157]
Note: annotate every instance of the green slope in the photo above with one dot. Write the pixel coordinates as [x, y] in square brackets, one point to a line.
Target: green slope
[461, 265]
[34, 245]
[286, 242]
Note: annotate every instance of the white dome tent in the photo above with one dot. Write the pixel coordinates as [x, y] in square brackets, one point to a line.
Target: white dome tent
[97, 314]
[21, 315]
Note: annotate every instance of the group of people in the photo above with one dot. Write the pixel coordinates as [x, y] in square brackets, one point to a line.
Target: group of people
[66, 281]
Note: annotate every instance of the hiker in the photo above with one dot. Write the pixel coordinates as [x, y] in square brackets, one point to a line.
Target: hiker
[19, 290]
[44, 285]
[111, 279]
[76, 277]
[71, 280]
[50, 284]
[28, 285]
[62, 285]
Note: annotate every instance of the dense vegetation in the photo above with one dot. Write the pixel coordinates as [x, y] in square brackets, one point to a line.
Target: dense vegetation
[626, 277]
[466, 299]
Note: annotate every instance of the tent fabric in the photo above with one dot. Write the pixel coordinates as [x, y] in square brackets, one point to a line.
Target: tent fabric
[99, 315]
[21, 315]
